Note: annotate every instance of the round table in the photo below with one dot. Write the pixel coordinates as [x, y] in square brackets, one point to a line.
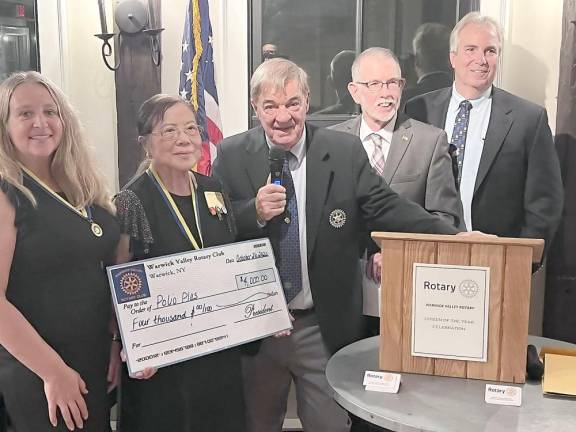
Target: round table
[430, 403]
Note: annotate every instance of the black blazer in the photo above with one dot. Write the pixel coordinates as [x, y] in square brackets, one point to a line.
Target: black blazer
[518, 190]
[148, 221]
[338, 177]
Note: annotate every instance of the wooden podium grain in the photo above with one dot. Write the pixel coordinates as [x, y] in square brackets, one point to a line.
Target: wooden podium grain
[510, 262]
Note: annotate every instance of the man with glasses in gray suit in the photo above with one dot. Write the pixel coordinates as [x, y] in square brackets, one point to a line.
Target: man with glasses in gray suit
[412, 157]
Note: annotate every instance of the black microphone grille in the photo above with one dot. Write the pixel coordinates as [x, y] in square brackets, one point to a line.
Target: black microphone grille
[277, 153]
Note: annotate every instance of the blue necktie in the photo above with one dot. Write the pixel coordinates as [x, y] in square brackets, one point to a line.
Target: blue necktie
[290, 266]
[459, 135]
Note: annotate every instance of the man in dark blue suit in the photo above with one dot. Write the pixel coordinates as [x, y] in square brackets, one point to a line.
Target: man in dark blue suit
[505, 163]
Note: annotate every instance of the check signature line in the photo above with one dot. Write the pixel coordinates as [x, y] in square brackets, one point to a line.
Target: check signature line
[245, 301]
[257, 316]
[178, 337]
[249, 298]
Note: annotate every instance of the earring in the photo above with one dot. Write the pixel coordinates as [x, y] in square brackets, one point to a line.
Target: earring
[142, 142]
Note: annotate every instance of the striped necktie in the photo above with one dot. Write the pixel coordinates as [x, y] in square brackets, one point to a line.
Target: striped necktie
[377, 159]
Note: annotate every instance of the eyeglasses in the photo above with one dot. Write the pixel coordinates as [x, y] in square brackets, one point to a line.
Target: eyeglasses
[391, 84]
[171, 133]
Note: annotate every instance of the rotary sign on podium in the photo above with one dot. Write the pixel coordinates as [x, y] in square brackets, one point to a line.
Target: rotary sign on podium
[456, 306]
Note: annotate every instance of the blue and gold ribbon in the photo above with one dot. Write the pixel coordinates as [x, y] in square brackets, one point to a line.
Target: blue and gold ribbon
[84, 213]
[169, 201]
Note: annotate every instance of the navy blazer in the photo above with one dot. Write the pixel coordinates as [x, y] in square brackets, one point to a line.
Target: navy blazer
[518, 190]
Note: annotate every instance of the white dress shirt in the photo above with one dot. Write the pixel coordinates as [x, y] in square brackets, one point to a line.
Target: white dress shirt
[371, 288]
[298, 171]
[475, 136]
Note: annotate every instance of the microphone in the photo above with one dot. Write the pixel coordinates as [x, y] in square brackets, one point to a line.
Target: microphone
[276, 158]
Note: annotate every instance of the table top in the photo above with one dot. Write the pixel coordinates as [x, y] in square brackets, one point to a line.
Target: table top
[431, 403]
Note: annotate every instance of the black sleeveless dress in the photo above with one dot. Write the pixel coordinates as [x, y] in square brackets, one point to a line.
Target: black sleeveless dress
[199, 395]
[58, 282]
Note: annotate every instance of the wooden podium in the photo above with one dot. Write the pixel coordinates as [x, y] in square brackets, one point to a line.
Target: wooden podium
[510, 262]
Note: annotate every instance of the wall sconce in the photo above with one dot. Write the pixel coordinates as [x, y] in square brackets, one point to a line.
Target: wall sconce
[131, 18]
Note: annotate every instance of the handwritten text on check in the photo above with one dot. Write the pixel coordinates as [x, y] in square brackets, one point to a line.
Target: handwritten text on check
[181, 306]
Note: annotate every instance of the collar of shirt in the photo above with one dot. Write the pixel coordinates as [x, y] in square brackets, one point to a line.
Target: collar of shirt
[386, 132]
[457, 97]
[299, 149]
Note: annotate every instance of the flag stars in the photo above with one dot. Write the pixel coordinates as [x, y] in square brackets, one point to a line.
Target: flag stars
[183, 94]
[184, 46]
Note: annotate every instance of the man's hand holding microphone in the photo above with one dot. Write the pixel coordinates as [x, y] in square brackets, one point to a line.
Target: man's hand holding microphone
[271, 198]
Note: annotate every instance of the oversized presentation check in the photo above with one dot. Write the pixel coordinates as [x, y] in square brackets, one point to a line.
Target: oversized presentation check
[181, 306]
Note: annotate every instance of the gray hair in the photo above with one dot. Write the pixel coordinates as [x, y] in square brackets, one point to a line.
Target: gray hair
[478, 19]
[274, 74]
[370, 52]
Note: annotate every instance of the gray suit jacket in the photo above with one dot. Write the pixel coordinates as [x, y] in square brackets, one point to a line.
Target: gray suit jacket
[418, 166]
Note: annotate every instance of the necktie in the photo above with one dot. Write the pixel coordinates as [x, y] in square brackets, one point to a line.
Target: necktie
[377, 160]
[459, 135]
[288, 259]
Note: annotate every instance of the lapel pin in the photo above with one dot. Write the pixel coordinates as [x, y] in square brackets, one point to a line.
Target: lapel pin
[337, 218]
[215, 202]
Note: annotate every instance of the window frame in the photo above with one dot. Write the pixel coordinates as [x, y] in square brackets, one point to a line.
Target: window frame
[255, 54]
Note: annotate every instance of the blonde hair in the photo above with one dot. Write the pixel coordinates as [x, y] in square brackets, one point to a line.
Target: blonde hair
[72, 165]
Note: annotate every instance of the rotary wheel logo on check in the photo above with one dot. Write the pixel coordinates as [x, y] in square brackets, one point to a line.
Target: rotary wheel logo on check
[130, 283]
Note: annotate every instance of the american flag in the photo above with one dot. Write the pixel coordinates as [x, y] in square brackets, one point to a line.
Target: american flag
[197, 83]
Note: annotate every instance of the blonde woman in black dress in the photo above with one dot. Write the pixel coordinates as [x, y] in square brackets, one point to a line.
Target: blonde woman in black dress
[57, 229]
[167, 209]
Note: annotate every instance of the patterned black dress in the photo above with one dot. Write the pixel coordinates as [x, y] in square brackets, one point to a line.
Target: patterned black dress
[58, 282]
[199, 395]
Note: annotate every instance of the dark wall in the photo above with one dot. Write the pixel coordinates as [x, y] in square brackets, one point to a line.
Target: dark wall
[137, 79]
[560, 303]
